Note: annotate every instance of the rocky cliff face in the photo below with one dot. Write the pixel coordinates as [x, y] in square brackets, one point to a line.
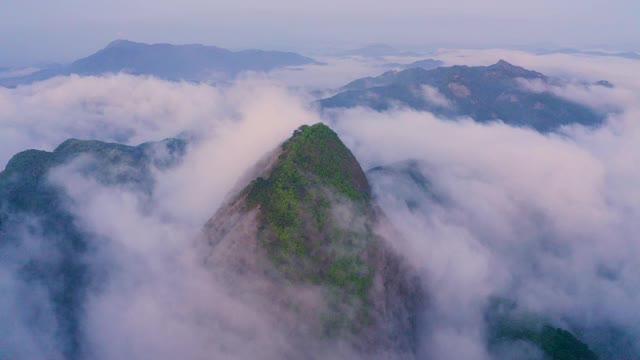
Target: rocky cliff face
[304, 236]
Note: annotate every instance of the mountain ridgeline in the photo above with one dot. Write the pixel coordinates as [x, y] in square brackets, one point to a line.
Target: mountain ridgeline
[309, 221]
[426, 64]
[34, 207]
[193, 62]
[485, 93]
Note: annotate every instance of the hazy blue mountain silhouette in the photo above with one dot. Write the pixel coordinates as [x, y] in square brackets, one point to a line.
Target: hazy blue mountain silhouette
[624, 54]
[485, 93]
[426, 64]
[172, 62]
[377, 50]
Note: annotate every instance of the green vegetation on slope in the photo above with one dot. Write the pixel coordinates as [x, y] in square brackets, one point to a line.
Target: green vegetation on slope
[314, 176]
[562, 345]
[557, 344]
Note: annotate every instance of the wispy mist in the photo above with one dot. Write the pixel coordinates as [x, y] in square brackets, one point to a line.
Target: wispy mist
[547, 220]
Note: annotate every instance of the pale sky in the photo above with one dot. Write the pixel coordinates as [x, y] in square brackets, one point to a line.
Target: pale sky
[62, 30]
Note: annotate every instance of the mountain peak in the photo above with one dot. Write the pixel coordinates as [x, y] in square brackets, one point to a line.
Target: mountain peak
[314, 170]
[507, 67]
[504, 64]
[309, 224]
[119, 43]
[318, 150]
[511, 70]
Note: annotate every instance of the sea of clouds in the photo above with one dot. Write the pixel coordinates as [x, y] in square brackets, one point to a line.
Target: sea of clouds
[549, 221]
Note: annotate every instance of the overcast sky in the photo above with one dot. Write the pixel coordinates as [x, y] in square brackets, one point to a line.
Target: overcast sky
[62, 30]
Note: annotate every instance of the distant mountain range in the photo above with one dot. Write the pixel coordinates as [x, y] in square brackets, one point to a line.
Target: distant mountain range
[12, 72]
[485, 93]
[171, 62]
[427, 64]
[377, 50]
[627, 55]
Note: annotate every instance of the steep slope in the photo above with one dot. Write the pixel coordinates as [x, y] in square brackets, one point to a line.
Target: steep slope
[309, 222]
[171, 62]
[31, 207]
[484, 93]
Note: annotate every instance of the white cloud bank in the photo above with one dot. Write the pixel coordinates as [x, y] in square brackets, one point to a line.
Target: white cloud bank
[548, 220]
